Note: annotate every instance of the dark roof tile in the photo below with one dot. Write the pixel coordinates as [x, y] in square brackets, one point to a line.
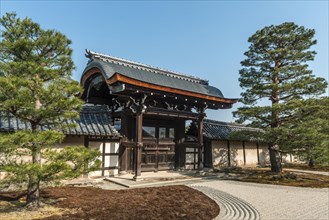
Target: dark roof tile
[95, 120]
[217, 130]
[111, 65]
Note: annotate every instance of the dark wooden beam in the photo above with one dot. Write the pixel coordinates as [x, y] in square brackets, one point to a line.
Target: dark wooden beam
[208, 153]
[200, 139]
[139, 143]
[228, 154]
[103, 157]
[123, 163]
[257, 145]
[101, 139]
[86, 141]
[244, 152]
[180, 148]
[171, 113]
[195, 154]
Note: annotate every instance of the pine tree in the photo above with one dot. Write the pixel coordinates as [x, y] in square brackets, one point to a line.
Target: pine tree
[276, 69]
[35, 87]
[308, 135]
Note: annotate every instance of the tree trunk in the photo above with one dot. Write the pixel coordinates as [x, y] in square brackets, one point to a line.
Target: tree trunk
[274, 149]
[33, 190]
[275, 158]
[311, 163]
[33, 193]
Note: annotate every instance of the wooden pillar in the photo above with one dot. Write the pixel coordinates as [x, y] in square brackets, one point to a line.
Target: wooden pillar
[200, 138]
[228, 153]
[257, 145]
[103, 158]
[194, 158]
[123, 151]
[139, 144]
[86, 141]
[179, 148]
[86, 144]
[244, 152]
[208, 157]
[123, 159]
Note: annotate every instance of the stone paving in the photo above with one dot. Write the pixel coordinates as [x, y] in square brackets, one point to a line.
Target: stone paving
[240, 200]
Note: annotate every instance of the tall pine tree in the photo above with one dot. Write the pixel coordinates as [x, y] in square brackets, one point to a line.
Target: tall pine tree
[35, 87]
[276, 69]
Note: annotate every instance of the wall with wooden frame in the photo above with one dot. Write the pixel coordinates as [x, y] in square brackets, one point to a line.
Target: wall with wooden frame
[109, 150]
[191, 157]
[238, 153]
[109, 157]
[226, 153]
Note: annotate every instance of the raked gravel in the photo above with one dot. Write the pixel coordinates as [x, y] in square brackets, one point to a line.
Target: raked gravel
[240, 200]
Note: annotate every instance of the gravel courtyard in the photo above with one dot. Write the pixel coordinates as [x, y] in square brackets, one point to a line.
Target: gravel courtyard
[240, 200]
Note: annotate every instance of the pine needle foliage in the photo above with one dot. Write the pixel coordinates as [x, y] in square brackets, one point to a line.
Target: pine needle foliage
[308, 135]
[36, 88]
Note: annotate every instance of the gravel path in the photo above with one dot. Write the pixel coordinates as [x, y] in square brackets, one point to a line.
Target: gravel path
[240, 200]
[231, 207]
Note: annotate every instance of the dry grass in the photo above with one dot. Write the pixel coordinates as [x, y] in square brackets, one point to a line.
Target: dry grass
[16, 211]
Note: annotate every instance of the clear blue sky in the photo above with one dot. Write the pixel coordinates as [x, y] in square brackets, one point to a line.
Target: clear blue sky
[201, 38]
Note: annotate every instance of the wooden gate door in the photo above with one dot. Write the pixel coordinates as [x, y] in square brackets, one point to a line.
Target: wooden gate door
[158, 154]
[191, 156]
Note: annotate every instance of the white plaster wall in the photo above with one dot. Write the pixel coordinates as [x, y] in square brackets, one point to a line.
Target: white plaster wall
[236, 149]
[264, 157]
[251, 153]
[220, 159]
[219, 153]
[67, 142]
[79, 141]
[71, 141]
[289, 158]
[97, 146]
[109, 161]
[113, 160]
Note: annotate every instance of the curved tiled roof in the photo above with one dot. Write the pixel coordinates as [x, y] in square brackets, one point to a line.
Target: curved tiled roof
[94, 121]
[112, 59]
[110, 65]
[222, 130]
[217, 130]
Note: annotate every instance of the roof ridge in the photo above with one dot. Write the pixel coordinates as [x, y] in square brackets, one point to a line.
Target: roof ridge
[222, 123]
[92, 54]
